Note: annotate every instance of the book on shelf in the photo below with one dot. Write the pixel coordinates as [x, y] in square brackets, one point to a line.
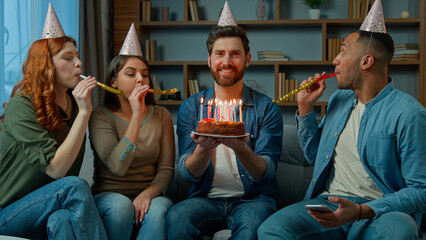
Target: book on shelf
[406, 51]
[290, 88]
[329, 48]
[194, 3]
[152, 44]
[281, 84]
[360, 8]
[273, 59]
[366, 8]
[191, 88]
[333, 47]
[147, 50]
[295, 84]
[150, 50]
[146, 10]
[270, 52]
[194, 86]
[406, 57]
[193, 10]
[408, 46]
[271, 55]
[354, 9]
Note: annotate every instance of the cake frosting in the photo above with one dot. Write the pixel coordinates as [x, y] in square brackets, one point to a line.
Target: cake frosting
[228, 128]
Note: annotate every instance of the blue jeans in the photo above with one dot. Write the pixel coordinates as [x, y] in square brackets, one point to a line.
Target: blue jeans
[117, 213]
[196, 217]
[294, 222]
[63, 209]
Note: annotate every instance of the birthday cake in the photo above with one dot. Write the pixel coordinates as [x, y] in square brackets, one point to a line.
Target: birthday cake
[228, 128]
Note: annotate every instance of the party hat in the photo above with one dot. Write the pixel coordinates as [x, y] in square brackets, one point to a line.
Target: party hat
[374, 22]
[52, 27]
[226, 17]
[131, 45]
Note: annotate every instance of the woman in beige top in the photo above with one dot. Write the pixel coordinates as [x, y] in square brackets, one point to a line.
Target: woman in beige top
[133, 144]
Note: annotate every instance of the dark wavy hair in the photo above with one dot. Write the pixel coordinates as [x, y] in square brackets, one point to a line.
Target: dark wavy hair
[39, 81]
[227, 31]
[116, 64]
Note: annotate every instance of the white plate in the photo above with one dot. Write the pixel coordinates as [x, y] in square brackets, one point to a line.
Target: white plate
[220, 136]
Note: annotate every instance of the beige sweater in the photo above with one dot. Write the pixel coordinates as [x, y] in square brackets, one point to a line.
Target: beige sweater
[122, 167]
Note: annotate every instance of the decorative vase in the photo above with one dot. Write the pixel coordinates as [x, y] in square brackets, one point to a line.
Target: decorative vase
[314, 13]
[260, 9]
[156, 86]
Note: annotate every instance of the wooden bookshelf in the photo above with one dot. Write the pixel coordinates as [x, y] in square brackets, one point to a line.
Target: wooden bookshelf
[128, 11]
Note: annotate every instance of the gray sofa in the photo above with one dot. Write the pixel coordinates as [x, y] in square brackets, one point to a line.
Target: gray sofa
[293, 175]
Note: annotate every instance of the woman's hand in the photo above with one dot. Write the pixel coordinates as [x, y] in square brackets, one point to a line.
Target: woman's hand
[141, 205]
[137, 100]
[82, 93]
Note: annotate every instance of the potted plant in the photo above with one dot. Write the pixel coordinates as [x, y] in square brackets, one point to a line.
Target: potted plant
[314, 12]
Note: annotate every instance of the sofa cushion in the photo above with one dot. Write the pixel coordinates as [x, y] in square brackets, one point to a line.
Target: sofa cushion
[293, 172]
[291, 151]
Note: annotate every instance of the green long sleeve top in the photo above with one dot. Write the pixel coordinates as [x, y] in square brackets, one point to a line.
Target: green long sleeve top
[27, 149]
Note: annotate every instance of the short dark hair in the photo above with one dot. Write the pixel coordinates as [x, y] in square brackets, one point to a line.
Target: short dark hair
[227, 31]
[381, 45]
[116, 64]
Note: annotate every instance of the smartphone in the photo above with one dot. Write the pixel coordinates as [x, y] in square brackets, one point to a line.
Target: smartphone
[318, 208]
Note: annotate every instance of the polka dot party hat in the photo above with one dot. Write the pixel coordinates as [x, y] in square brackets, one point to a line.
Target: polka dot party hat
[374, 22]
[131, 45]
[52, 27]
[226, 17]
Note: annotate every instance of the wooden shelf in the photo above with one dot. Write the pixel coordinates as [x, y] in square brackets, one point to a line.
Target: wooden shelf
[271, 63]
[278, 23]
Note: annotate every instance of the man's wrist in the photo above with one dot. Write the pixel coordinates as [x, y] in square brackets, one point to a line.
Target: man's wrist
[305, 109]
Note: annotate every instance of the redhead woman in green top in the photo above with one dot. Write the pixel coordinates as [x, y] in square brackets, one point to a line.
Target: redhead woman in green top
[43, 135]
[133, 145]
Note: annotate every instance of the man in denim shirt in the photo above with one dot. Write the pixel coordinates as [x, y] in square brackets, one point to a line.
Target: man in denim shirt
[234, 183]
[369, 153]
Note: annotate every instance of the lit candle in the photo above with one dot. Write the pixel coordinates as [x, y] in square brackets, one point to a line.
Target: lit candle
[234, 110]
[220, 111]
[201, 109]
[241, 110]
[226, 110]
[229, 110]
[209, 109]
[215, 109]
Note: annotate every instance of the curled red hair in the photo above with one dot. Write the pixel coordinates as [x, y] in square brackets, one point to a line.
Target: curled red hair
[39, 81]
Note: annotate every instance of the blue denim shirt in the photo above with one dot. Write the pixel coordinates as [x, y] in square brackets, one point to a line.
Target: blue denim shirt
[263, 120]
[391, 146]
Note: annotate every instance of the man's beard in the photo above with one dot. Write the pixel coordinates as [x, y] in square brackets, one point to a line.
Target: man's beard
[227, 81]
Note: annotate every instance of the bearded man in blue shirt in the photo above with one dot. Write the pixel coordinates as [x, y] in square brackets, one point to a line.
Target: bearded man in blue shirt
[234, 184]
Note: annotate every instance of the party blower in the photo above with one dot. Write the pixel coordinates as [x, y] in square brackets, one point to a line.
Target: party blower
[309, 83]
[116, 91]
